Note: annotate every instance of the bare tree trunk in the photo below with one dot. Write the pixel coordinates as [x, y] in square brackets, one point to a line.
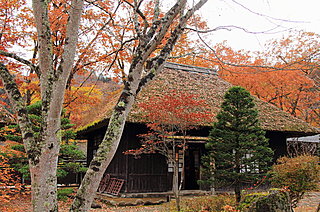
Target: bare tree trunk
[183, 162]
[108, 146]
[44, 183]
[147, 45]
[212, 177]
[53, 84]
[175, 178]
[237, 191]
[43, 150]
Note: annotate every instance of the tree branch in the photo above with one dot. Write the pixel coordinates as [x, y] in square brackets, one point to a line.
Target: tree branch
[25, 125]
[136, 21]
[263, 15]
[156, 10]
[171, 14]
[94, 38]
[32, 66]
[149, 42]
[72, 36]
[230, 27]
[158, 62]
[44, 37]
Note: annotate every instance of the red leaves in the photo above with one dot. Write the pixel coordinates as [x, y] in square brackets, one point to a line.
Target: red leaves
[173, 113]
[177, 108]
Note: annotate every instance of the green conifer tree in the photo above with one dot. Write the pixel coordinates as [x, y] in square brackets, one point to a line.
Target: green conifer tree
[237, 144]
[69, 155]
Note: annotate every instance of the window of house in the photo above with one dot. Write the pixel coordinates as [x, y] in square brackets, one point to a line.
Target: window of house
[253, 167]
[170, 163]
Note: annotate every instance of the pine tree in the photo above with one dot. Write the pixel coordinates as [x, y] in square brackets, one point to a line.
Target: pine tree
[237, 144]
[69, 152]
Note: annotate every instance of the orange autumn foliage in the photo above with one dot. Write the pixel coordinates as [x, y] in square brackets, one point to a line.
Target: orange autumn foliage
[107, 41]
[105, 45]
[283, 75]
[9, 183]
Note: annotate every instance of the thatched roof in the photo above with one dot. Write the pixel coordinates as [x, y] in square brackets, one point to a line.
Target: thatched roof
[206, 84]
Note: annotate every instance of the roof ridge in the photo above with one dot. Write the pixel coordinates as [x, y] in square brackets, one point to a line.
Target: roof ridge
[190, 68]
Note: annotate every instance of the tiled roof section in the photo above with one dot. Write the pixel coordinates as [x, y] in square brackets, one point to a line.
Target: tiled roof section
[206, 84]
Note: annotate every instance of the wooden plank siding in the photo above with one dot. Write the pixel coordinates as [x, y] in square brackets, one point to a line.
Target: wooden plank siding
[149, 172]
[146, 173]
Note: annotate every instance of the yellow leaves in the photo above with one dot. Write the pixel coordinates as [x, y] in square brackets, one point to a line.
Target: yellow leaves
[80, 100]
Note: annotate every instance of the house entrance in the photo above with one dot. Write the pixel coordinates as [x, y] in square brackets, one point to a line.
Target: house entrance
[192, 167]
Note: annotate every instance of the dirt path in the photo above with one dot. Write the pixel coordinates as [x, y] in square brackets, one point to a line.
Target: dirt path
[308, 204]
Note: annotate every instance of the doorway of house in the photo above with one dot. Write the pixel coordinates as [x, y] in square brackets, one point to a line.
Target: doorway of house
[192, 167]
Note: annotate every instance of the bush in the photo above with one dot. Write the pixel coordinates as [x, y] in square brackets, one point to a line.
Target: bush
[16, 157]
[298, 175]
[209, 203]
[64, 193]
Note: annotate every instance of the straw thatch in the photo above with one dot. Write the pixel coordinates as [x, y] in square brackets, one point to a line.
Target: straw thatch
[206, 84]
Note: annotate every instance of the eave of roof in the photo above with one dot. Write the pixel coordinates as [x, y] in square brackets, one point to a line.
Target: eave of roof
[207, 85]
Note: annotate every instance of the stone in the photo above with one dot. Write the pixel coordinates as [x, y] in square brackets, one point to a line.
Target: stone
[272, 201]
[139, 202]
[123, 203]
[95, 205]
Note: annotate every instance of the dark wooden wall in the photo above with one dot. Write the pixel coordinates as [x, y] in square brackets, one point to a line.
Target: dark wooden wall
[149, 173]
[146, 173]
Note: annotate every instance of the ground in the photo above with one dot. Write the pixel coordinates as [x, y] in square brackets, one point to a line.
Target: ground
[22, 203]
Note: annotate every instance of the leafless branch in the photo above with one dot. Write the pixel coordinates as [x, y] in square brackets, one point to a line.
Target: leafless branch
[264, 15]
[103, 9]
[296, 148]
[140, 13]
[32, 66]
[231, 27]
[258, 68]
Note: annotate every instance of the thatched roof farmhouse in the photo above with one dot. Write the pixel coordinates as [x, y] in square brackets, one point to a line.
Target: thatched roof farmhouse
[150, 172]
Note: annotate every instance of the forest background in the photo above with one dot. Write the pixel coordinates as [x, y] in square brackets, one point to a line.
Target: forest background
[282, 72]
